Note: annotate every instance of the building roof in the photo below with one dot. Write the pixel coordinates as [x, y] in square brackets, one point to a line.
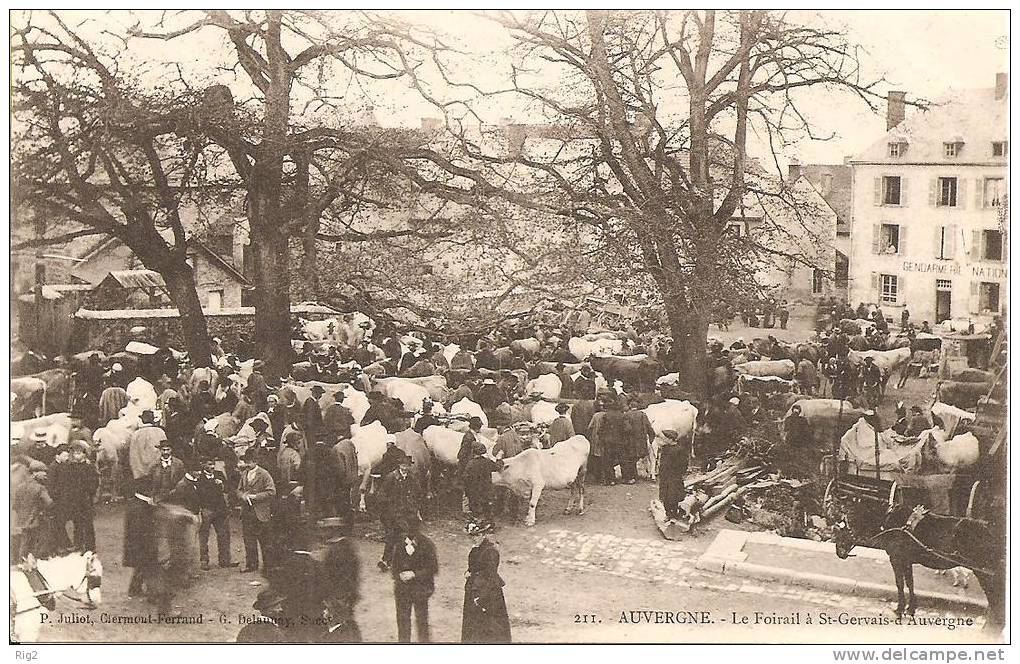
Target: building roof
[839, 195]
[974, 117]
[55, 291]
[135, 279]
[116, 314]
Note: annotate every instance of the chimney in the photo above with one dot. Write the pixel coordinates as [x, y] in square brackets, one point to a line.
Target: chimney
[1001, 85]
[794, 173]
[896, 108]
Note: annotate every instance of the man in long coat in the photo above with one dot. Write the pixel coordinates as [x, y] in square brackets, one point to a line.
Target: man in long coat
[639, 433]
[674, 457]
[562, 427]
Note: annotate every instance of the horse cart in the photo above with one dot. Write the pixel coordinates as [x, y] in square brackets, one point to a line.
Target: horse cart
[893, 515]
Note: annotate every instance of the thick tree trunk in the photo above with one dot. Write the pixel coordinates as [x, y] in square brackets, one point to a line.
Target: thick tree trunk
[180, 284]
[690, 336]
[310, 263]
[272, 301]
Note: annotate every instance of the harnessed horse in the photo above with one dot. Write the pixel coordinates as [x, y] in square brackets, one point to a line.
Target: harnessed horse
[35, 585]
[912, 536]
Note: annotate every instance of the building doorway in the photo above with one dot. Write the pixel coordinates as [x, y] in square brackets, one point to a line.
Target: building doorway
[943, 300]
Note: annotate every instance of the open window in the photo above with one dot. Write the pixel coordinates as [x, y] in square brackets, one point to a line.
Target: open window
[888, 239]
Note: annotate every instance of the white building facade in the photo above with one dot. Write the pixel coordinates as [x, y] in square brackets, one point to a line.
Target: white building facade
[929, 229]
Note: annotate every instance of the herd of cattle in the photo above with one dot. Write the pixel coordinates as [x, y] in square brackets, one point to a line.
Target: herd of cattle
[619, 360]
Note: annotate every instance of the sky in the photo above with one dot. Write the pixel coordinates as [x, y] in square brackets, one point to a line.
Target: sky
[925, 53]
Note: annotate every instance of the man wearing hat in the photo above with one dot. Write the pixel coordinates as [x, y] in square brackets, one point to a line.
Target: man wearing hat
[489, 397]
[256, 492]
[267, 627]
[203, 490]
[584, 385]
[143, 446]
[414, 568]
[427, 417]
[674, 457]
[338, 418]
[30, 506]
[871, 381]
[289, 459]
[381, 410]
[562, 427]
[167, 472]
[399, 500]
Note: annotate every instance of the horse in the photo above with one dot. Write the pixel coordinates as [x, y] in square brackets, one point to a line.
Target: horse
[915, 536]
[35, 585]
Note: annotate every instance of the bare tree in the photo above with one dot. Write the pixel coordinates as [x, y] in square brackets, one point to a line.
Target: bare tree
[653, 112]
[100, 157]
[293, 169]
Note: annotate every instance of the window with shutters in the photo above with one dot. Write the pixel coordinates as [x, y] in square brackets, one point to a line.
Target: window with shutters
[988, 296]
[945, 242]
[895, 149]
[1000, 148]
[889, 239]
[994, 188]
[991, 245]
[890, 288]
[817, 281]
[892, 190]
[947, 192]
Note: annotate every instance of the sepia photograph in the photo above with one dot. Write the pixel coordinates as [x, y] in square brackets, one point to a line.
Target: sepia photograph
[510, 326]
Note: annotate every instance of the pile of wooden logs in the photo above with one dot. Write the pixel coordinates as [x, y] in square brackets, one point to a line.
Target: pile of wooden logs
[710, 494]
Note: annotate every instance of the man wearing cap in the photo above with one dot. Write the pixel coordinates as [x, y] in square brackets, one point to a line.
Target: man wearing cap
[467, 444]
[639, 436]
[74, 483]
[166, 473]
[674, 457]
[41, 450]
[203, 490]
[256, 492]
[289, 459]
[561, 428]
[399, 502]
[30, 506]
[478, 487]
[143, 446]
[414, 568]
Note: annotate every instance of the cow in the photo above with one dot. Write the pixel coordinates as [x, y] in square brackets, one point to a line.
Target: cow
[370, 443]
[641, 373]
[327, 329]
[504, 357]
[539, 368]
[784, 369]
[58, 390]
[410, 395]
[436, 385]
[198, 374]
[444, 443]
[828, 418]
[468, 407]
[56, 425]
[886, 360]
[544, 412]
[591, 345]
[548, 385]
[562, 466]
[671, 414]
[527, 348]
[962, 395]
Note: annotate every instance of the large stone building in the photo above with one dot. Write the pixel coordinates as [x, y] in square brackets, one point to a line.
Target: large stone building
[930, 222]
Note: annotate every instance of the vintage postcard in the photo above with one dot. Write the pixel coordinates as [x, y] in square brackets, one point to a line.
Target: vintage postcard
[510, 326]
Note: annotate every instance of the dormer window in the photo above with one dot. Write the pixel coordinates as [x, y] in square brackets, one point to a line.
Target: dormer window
[952, 149]
[1000, 148]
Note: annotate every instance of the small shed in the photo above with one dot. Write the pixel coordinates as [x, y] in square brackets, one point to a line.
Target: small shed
[129, 289]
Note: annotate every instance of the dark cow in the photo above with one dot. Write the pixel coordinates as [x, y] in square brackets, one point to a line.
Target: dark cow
[641, 373]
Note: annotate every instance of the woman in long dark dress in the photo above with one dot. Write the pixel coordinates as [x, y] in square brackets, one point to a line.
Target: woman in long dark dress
[485, 615]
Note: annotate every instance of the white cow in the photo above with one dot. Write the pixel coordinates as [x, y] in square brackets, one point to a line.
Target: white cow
[327, 329]
[436, 385]
[886, 360]
[444, 443]
[562, 466]
[56, 425]
[468, 407]
[548, 385]
[449, 351]
[680, 416]
[583, 347]
[544, 412]
[370, 444]
[780, 368]
[141, 392]
[409, 394]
